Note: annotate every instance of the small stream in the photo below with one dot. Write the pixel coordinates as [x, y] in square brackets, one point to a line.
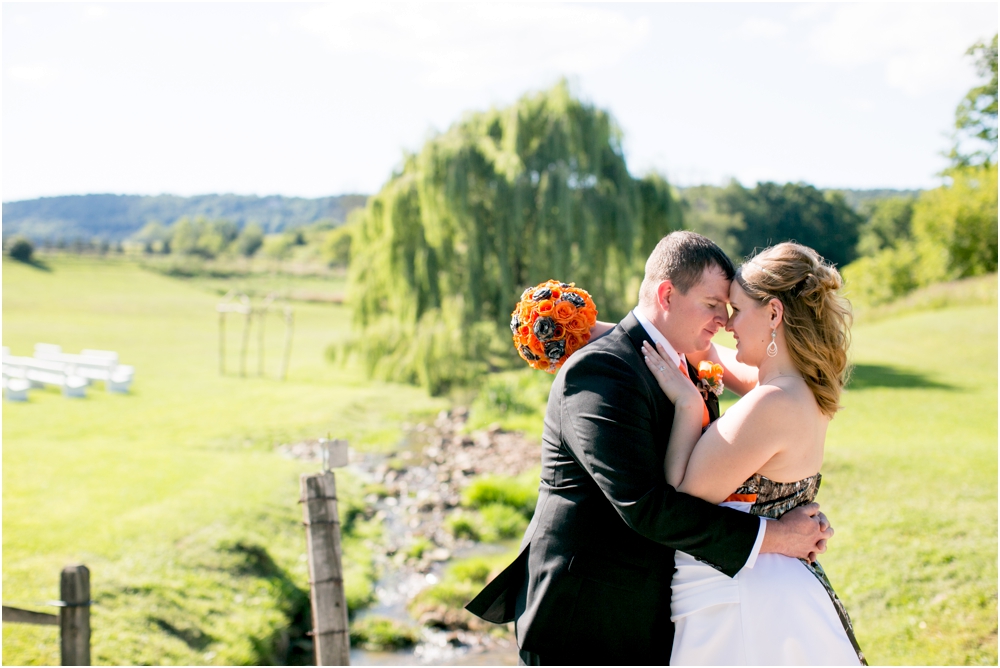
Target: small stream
[423, 480]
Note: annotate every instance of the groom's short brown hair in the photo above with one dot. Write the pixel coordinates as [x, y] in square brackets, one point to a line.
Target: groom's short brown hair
[682, 257]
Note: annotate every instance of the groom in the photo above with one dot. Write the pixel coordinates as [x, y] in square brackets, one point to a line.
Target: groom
[591, 584]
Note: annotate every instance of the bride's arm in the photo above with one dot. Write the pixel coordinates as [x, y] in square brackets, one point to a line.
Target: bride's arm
[737, 445]
[731, 450]
[688, 409]
[738, 377]
[600, 329]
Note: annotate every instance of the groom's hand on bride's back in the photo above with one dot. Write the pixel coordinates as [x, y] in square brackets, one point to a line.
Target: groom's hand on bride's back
[801, 532]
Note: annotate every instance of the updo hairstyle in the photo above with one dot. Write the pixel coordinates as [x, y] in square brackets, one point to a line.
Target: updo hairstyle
[817, 320]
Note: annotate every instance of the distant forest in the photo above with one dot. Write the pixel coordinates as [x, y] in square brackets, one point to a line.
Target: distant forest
[117, 217]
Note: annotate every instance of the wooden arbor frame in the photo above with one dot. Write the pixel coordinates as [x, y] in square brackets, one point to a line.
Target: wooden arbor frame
[239, 303]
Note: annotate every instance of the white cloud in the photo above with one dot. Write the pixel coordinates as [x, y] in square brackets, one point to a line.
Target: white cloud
[766, 28]
[471, 45]
[859, 104]
[31, 73]
[920, 47]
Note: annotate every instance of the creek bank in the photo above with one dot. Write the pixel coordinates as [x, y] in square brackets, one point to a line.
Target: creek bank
[410, 493]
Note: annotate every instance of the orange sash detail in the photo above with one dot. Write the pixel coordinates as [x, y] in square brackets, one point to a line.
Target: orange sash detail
[745, 498]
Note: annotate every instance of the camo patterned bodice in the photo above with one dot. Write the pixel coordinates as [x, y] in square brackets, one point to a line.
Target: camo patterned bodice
[773, 499]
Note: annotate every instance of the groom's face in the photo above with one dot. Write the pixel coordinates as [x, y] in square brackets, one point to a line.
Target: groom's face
[695, 317]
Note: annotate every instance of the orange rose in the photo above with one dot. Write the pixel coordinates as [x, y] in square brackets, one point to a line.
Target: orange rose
[556, 294]
[707, 369]
[544, 307]
[577, 324]
[563, 312]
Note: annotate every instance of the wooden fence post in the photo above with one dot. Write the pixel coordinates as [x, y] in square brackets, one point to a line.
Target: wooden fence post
[74, 617]
[326, 584]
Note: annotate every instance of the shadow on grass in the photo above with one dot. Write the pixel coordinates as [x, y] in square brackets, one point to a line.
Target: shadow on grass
[192, 637]
[36, 263]
[290, 646]
[868, 376]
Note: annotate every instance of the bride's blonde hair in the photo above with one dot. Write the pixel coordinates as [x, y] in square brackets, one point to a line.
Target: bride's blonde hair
[817, 320]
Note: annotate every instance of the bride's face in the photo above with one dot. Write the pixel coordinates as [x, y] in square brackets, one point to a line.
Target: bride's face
[750, 325]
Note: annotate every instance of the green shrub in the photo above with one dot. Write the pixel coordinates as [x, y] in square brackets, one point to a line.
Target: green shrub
[474, 569]
[250, 240]
[499, 522]
[418, 547]
[883, 277]
[463, 524]
[514, 399]
[336, 246]
[952, 235]
[519, 493]
[443, 604]
[276, 246]
[21, 249]
[492, 522]
[376, 633]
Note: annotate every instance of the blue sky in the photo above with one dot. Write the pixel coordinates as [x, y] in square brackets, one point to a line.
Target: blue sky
[322, 99]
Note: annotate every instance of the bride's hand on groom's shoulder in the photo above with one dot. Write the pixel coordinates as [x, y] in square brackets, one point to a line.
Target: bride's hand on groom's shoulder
[802, 533]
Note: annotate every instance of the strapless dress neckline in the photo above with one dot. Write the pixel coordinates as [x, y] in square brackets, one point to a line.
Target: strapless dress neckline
[772, 499]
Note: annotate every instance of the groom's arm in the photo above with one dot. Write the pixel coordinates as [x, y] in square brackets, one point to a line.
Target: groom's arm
[608, 426]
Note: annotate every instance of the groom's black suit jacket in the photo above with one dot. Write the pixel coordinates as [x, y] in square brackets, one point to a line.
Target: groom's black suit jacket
[591, 584]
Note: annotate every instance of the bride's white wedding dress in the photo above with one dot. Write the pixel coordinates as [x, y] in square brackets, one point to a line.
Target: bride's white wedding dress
[782, 611]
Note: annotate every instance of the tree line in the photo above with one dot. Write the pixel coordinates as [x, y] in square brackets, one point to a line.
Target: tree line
[949, 232]
[508, 198]
[63, 220]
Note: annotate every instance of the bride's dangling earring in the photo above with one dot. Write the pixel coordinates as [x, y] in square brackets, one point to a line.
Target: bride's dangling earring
[772, 347]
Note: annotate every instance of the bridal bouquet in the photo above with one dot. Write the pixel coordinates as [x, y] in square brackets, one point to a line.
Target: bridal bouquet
[551, 322]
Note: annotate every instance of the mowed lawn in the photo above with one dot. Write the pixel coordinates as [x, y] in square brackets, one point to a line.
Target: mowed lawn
[180, 471]
[910, 484]
[171, 493]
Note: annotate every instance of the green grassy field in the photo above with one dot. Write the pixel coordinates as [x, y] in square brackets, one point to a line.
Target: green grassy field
[173, 495]
[910, 483]
[175, 498]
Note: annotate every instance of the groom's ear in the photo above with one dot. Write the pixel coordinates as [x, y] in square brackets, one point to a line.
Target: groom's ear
[665, 293]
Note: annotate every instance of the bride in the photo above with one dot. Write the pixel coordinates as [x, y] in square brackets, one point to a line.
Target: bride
[763, 457]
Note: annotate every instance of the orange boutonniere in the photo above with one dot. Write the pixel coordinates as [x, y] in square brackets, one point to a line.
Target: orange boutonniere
[710, 377]
[551, 322]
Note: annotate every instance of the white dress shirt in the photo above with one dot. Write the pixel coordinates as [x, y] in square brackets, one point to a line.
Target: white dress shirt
[677, 359]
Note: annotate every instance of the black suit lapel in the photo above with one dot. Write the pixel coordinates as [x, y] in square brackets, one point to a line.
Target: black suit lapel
[637, 334]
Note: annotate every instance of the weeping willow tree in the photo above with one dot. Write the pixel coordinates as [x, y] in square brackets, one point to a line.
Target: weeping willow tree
[504, 199]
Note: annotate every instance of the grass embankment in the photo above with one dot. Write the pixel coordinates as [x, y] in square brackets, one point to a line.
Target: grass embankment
[910, 477]
[173, 495]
